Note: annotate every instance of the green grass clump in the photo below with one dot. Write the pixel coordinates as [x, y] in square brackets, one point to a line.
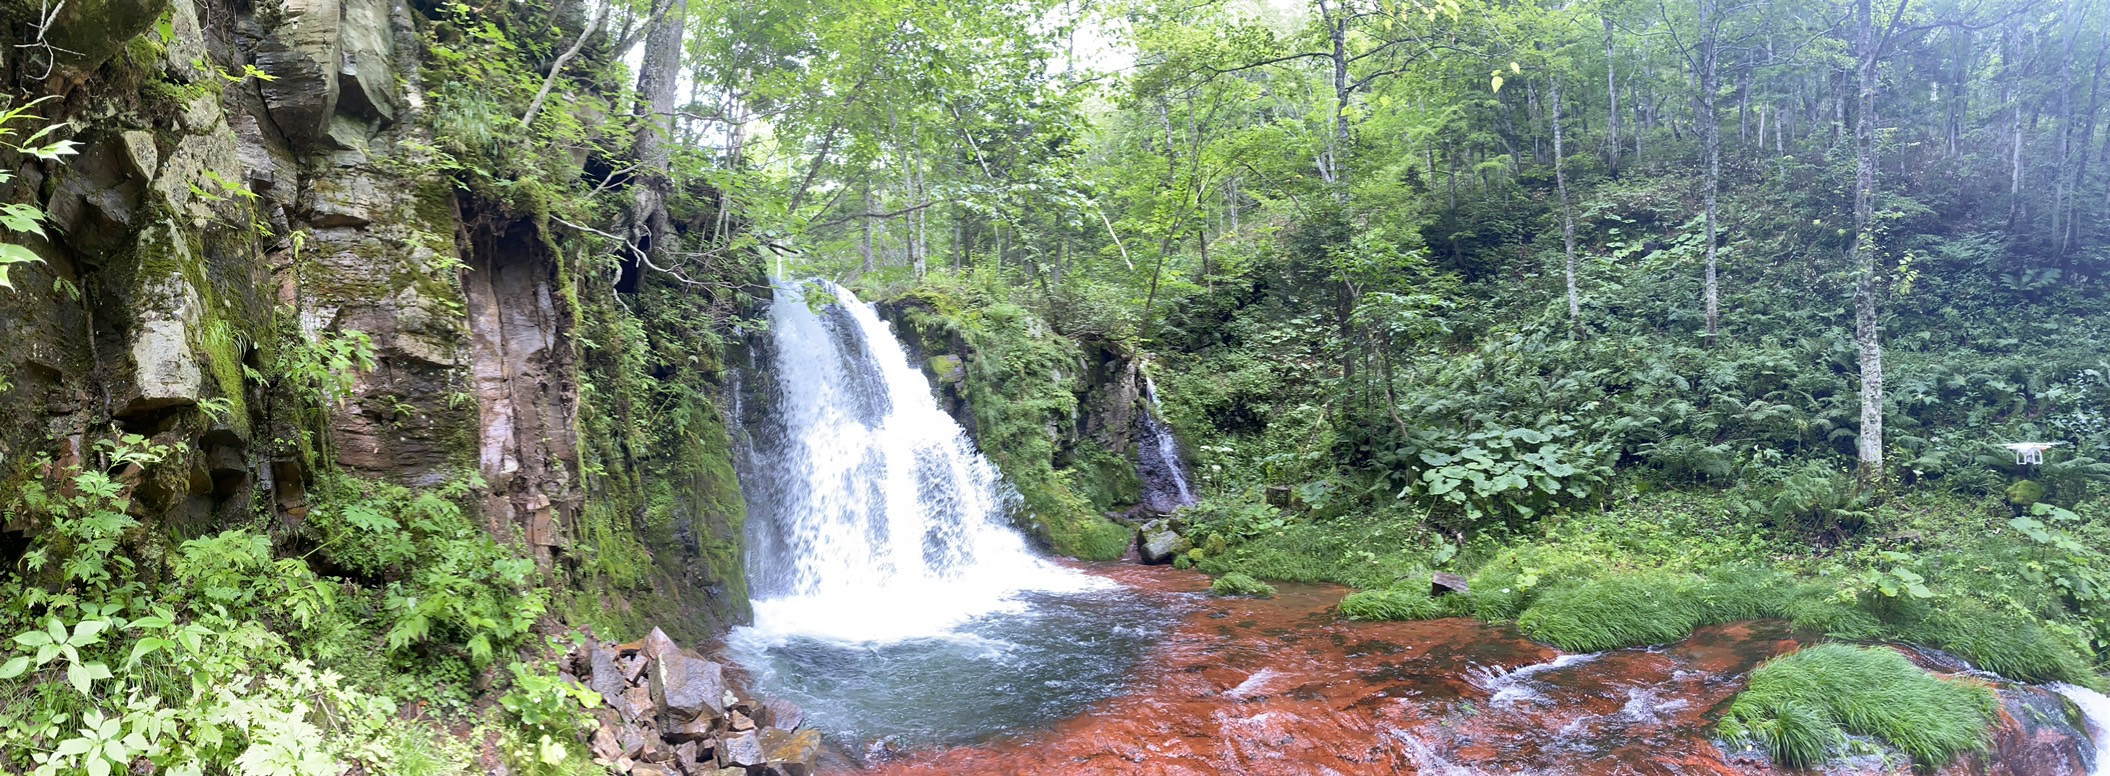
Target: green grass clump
[1618, 611]
[1312, 551]
[1237, 584]
[1799, 705]
[1391, 605]
[2005, 644]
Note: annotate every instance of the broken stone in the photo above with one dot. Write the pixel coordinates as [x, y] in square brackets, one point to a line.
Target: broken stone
[639, 700]
[737, 721]
[698, 729]
[633, 741]
[648, 769]
[631, 668]
[604, 745]
[686, 687]
[604, 677]
[742, 750]
[780, 713]
[791, 753]
[656, 645]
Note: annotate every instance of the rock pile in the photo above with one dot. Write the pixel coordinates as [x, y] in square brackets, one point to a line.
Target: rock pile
[670, 712]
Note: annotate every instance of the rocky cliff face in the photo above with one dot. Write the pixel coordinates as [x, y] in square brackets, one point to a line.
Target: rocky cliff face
[256, 183]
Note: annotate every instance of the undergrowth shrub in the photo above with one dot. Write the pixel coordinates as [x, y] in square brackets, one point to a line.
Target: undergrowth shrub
[1800, 706]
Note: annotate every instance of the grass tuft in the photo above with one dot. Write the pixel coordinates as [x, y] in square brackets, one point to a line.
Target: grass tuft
[1238, 584]
[1391, 605]
[1800, 706]
[1619, 611]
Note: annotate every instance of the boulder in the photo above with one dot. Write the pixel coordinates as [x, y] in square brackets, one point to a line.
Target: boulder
[742, 750]
[791, 753]
[686, 687]
[780, 713]
[604, 676]
[1161, 546]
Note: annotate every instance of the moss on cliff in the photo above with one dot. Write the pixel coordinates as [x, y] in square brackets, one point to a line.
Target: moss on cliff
[1019, 383]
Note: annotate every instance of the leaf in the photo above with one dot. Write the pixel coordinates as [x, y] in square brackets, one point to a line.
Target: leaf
[77, 675]
[1496, 78]
[14, 668]
[87, 632]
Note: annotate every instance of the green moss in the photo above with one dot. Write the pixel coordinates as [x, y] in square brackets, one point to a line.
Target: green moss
[1801, 705]
[1240, 585]
[1088, 537]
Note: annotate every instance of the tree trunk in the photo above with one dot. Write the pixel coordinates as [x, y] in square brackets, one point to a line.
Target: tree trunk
[1611, 91]
[658, 74]
[1560, 181]
[1711, 142]
[865, 244]
[1867, 336]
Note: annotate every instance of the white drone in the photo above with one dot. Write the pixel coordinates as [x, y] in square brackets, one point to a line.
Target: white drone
[2027, 453]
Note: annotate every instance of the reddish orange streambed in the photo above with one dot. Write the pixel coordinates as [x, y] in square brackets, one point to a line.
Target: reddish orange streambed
[1281, 686]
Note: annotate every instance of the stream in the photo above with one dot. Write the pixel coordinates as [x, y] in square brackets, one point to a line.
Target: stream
[923, 635]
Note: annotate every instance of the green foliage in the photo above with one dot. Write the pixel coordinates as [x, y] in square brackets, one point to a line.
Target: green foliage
[1235, 584]
[1392, 605]
[1017, 382]
[448, 582]
[1801, 707]
[26, 218]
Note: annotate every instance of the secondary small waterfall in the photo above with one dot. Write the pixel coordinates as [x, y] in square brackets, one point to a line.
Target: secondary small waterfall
[1163, 470]
[872, 517]
[2096, 708]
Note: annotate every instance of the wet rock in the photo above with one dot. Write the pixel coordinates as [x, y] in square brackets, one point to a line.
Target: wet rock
[686, 687]
[780, 713]
[1161, 546]
[1444, 584]
[791, 753]
[742, 749]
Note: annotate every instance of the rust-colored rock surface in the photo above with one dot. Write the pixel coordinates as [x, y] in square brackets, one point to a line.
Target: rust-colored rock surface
[1281, 686]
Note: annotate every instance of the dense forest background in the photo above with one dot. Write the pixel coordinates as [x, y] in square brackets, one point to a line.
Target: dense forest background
[1640, 315]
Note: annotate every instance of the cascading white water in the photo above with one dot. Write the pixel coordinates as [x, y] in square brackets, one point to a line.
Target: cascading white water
[1164, 473]
[2096, 708]
[872, 518]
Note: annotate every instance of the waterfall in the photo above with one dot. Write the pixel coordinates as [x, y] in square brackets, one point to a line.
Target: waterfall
[1164, 473]
[2096, 708]
[871, 516]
